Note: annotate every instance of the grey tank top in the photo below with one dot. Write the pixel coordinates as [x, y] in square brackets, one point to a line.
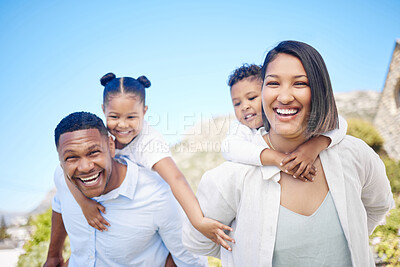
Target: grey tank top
[316, 240]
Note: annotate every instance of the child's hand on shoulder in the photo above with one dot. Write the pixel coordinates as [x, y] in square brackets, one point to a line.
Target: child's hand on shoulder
[91, 211]
[299, 164]
[214, 231]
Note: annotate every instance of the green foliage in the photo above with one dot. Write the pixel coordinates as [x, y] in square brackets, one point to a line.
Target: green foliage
[3, 229]
[42, 229]
[393, 172]
[36, 248]
[365, 131]
[35, 257]
[388, 247]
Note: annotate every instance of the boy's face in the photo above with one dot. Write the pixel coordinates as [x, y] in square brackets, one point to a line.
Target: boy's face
[246, 100]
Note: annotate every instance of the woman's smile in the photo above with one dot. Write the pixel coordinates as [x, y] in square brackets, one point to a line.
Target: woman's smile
[286, 96]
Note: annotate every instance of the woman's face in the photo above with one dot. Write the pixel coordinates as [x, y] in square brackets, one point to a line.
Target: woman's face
[286, 96]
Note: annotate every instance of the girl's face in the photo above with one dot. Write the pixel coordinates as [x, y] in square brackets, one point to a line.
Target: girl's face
[124, 115]
[286, 96]
[246, 100]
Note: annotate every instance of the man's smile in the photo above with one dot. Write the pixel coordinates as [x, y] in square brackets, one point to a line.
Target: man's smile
[90, 180]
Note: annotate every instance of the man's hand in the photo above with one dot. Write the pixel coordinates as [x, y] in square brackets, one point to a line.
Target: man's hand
[57, 238]
[54, 262]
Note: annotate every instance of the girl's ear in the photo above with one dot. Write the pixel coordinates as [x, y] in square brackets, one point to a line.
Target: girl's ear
[145, 110]
[102, 107]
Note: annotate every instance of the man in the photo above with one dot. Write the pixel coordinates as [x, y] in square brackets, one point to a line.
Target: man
[145, 219]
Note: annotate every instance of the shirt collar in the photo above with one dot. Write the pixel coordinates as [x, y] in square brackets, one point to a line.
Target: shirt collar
[128, 186]
[268, 172]
[271, 172]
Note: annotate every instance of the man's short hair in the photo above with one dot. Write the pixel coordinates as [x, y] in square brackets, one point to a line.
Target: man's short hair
[79, 121]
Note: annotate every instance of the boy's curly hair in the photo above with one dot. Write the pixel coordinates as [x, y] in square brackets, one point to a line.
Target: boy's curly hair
[243, 72]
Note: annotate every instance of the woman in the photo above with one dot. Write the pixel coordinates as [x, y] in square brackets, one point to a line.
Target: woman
[281, 221]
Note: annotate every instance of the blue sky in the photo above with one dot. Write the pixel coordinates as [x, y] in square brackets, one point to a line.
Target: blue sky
[53, 54]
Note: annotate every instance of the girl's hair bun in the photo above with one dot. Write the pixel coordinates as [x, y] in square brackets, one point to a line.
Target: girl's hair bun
[143, 80]
[107, 78]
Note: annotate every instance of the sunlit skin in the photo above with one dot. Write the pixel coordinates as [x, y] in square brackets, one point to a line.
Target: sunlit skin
[124, 116]
[286, 97]
[86, 158]
[246, 100]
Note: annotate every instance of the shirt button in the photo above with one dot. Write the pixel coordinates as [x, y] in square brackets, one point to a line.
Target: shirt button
[91, 257]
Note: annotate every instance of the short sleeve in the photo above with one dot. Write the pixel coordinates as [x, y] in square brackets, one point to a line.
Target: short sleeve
[152, 149]
[148, 148]
[58, 177]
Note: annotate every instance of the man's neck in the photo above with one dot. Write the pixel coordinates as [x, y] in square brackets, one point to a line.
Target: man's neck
[118, 174]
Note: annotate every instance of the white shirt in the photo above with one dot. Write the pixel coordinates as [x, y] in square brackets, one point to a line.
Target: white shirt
[248, 198]
[147, 148]
[239, 145]
[145, 224]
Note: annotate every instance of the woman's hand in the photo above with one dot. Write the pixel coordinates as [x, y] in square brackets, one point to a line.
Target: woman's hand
[91, 209]
[214, 231]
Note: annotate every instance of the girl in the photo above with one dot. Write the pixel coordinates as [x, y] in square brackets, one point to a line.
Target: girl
[124, 108]
[245, 86]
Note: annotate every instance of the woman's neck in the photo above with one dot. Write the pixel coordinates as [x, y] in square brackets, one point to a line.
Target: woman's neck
[284, 144]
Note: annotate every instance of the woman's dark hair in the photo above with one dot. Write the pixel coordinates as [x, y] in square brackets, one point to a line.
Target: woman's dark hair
[323, 115]
[245, 71]
[127, 85]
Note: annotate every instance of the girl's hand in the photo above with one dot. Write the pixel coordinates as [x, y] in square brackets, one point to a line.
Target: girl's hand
[214, 231]
[299, 165]
[91, 209]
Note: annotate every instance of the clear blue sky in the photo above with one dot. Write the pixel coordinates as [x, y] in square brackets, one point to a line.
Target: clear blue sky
[53, 54]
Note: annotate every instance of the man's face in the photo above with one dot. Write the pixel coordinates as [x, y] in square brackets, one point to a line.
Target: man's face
[86, 158]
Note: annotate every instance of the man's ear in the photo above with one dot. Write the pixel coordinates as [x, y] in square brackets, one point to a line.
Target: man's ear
[145, 110]
[111, 145]
[59, 159]
[102, 108]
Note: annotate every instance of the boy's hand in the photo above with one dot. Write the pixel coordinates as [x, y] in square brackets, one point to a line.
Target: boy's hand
[299, 165]
[91, 210]
[214, 231]
[301, 161]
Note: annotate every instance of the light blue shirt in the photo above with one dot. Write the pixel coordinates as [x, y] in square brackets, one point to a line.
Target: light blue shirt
[145, 224]
[314, 241]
